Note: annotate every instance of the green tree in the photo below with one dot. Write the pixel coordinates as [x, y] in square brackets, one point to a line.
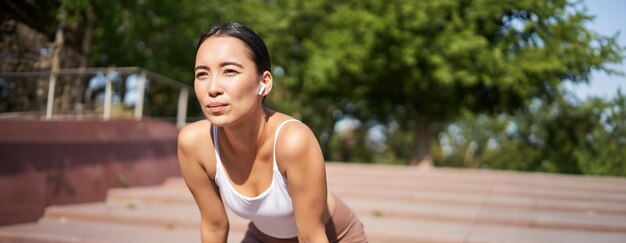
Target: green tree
[564, 136]
[436, 59]
[605, 154]
[157, 35]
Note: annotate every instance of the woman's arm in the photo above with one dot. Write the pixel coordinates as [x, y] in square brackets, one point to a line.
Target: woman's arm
[303, 162]
[214, 222]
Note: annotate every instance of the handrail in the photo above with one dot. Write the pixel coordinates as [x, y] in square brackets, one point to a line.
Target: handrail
[65, 71]
[85, 71]
[144, 75]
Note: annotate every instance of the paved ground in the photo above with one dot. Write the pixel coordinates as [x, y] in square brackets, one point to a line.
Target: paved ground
[396, 204]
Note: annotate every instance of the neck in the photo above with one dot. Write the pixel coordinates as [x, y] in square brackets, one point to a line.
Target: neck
[247, 135]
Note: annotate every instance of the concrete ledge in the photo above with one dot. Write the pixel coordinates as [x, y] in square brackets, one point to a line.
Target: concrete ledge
[59, 162]
[396, 204]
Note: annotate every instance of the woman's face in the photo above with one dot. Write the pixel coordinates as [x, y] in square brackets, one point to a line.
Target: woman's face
[226, 80]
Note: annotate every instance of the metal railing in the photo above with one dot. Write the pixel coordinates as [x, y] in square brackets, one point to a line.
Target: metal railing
[95, 78]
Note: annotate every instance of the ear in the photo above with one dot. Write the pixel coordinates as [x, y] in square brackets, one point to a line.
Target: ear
[267, 80]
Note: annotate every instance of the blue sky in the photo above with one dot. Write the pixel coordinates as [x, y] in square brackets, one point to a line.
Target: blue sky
[610, 18]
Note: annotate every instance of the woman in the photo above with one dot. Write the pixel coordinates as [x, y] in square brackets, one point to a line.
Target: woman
[264, 165]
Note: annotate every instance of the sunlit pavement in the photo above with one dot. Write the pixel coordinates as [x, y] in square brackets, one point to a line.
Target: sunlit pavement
[396, 204]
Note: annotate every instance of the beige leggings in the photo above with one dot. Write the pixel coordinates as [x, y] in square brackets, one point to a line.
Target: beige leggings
[344, 226]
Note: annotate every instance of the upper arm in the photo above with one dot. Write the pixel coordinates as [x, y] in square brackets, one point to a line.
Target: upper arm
[203, 188]
[300, 155]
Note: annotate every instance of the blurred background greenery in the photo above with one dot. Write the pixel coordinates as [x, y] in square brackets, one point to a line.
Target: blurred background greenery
[463, 83]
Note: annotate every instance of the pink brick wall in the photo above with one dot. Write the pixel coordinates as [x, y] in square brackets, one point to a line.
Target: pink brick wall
[61, 162]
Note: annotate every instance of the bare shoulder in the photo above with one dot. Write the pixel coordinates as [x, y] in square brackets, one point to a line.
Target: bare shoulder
[193, 133]
[293, 135]
[296, 136]
[194, 142]
[297, 144]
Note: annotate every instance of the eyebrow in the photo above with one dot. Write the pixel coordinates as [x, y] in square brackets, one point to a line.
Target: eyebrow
[231, 63]
[221, 65]
[201, 67]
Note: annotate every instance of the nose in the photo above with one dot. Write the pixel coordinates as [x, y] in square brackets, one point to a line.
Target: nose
[215, 87]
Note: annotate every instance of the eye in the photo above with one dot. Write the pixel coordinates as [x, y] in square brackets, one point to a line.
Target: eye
[230, 72]
[201, 75]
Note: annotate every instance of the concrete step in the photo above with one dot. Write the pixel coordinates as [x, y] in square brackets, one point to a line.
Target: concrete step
[65, 230]
[167, 214]
[491, 200]
[165, 195]
[380, 229]
[469, 187]
[610, 185]
[396, 204]
[613, 185]
[138, 213]
[173, 190]
[418, 230]
[460, 207]
[478, 214]
[529, 185]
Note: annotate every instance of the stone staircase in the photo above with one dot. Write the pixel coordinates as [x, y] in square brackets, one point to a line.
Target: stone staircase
[395, 203]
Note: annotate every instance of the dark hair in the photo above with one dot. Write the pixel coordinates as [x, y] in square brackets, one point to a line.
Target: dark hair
[256, 47]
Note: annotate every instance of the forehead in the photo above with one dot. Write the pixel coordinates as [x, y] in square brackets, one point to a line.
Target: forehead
[218, 48]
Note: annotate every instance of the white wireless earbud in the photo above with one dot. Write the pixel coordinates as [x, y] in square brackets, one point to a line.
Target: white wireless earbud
[262, 89]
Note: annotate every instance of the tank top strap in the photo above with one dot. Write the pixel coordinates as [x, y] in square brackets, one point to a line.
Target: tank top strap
[216, 145]
[276, 139]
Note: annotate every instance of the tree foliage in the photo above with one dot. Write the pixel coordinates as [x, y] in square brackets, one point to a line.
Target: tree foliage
[605, 154]
[410, 66]
[436, 59]
[577, 137]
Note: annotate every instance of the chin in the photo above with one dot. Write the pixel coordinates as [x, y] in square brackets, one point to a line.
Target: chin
[218, 121]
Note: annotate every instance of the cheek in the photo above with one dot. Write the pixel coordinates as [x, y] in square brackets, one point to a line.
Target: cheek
[199, 90]
[237, 89]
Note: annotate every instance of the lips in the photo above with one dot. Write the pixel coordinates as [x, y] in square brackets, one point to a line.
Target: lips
[216, 107]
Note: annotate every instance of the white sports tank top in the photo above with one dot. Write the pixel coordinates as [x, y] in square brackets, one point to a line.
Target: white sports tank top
[271, 211]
